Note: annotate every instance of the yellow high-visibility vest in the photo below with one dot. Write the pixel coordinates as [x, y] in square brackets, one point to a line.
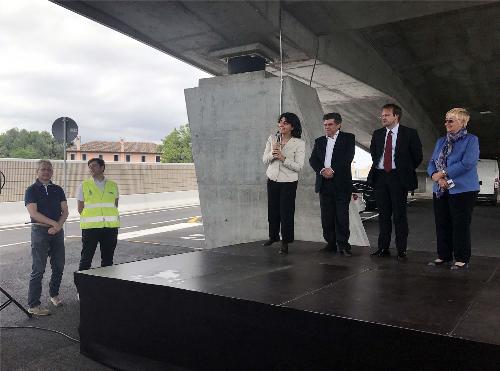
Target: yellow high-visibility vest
[99, 210]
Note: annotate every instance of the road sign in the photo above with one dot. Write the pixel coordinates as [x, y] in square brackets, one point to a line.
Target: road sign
[58, 129]
[2, 181]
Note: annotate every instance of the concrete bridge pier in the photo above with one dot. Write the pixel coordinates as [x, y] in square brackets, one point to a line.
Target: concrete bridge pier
[231, 118]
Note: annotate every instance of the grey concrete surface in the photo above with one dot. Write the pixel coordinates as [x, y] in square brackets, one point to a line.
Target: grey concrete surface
[231, 118]
[429, 56]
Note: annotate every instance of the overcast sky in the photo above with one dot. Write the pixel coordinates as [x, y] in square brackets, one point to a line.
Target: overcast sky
[56, 63]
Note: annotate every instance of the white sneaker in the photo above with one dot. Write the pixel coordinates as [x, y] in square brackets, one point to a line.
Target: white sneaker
[39, 311]
[56, 300]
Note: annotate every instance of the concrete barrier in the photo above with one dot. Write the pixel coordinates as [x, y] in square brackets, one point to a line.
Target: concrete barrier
[132, 178]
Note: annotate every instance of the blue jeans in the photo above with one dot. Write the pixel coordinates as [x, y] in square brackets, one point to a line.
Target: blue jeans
[44, 245]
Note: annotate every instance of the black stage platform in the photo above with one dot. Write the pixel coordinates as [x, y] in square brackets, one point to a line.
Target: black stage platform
[245, 307]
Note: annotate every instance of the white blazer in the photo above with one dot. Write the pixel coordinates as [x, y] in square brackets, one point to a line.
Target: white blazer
[287, 171]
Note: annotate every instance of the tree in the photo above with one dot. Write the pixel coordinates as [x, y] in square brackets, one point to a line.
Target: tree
[29, 144]
[176, 147]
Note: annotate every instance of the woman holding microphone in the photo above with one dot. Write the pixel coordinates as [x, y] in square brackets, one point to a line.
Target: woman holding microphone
[284, 154]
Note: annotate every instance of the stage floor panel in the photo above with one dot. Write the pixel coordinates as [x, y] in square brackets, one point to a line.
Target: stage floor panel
[246, 307]
[382, 290]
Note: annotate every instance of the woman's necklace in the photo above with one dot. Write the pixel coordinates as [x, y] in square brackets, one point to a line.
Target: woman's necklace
[285, 140]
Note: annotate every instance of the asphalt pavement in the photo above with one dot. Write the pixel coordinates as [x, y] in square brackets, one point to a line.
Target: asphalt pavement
[179, 230]
[144, 235]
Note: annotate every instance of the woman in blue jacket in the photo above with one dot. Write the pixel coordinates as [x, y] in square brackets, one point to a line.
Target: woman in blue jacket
[453, 168]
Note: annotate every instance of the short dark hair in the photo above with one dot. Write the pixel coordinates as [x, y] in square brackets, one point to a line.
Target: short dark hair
[396, 110]
[333, 116]
[100, 161]
[294, 120]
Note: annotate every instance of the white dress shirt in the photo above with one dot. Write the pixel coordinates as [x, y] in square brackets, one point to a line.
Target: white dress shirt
[330, 143]
[394, 139]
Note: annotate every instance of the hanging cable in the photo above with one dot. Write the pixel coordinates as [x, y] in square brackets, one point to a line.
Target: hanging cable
[281, 61]
[315, 60]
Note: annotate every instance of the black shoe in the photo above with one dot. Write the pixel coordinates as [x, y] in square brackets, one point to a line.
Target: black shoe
[269, 242]
[329, 248]
[381, 253]
[346, 252]
[402, 256]
[284, 248]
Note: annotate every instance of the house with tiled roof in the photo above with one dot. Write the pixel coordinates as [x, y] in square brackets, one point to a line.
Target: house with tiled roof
[114, 151]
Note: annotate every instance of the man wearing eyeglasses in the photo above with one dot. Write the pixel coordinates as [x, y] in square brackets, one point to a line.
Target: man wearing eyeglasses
[331, 160]
[396, 152]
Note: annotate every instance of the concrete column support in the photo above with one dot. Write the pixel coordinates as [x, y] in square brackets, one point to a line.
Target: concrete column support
[231, 118]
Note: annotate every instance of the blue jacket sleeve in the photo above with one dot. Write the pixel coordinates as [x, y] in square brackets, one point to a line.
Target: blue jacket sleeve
[469, 159]
[431, 168]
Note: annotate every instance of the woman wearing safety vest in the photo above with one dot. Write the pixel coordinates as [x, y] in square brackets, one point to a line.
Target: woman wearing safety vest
[99, 220]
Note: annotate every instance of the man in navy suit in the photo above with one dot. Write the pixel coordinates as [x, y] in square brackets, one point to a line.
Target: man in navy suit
[396, 152]
[331, 159]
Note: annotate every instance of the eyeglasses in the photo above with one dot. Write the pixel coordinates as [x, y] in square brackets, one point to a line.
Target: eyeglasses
[386, 115]
[449, 121]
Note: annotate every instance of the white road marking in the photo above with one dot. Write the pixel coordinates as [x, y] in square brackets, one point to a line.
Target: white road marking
[369, 217]
[166, 228]
[171, 220]
[195, 237]
[13, 227]
[15, 243]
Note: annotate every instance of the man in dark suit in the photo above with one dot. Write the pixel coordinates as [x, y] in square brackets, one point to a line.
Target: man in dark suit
[331, 159]
[396, 152]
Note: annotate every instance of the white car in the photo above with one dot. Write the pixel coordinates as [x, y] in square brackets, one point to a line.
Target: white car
[487, 170]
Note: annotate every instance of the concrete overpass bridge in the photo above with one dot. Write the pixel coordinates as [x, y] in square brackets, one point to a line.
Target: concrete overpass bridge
[428, 56]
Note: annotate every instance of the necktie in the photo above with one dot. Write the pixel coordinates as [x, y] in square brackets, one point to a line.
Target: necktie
[388, 153]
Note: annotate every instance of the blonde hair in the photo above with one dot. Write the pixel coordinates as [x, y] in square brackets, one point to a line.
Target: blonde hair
[43, 162]
[461, 114]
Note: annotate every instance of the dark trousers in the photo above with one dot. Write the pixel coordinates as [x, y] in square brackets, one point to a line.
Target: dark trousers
[281, 209]
[334, 206]
[106, 238]
[391, 198]
[453, 215]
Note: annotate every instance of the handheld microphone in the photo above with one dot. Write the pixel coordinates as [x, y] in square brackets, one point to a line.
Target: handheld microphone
[278, 137]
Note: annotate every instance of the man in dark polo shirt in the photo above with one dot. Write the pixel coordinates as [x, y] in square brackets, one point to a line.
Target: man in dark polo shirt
[48, 209]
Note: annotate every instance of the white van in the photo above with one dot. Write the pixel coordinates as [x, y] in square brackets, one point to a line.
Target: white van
[488, 180]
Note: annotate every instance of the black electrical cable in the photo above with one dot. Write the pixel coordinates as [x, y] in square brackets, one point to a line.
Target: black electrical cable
[39, 328]
[315, 60]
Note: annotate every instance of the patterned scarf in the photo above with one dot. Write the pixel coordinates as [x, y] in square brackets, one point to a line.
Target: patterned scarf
[442, 160]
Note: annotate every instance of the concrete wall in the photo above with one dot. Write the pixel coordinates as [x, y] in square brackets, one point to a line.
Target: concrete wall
[231, 118]
[131, 178]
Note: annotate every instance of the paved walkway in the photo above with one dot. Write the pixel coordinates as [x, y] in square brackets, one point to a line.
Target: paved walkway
[14, 213]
